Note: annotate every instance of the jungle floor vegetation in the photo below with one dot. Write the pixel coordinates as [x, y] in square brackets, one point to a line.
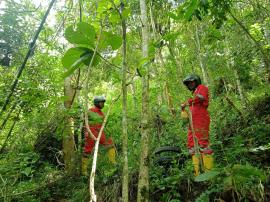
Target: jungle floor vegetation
[56, 56]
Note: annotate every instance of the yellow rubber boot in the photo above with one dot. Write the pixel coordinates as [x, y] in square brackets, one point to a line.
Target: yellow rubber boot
[208, 161]
[196, 163]
[111, 154]
[85, 161]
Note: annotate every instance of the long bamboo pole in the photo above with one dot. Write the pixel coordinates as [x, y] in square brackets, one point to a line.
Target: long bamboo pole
[31, 48]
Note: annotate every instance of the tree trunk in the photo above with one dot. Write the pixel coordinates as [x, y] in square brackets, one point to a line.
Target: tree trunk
[166, 90]
[68, 134]
[124, 109]
[161, 60]
[169, 99]
[239, 88]
[134, 98]
[143, 183]
[177, 63]
[230, 64]
[199, 54]
[157, 74]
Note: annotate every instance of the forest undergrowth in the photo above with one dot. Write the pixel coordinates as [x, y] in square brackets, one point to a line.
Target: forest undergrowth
[59, 58]
[241, 163]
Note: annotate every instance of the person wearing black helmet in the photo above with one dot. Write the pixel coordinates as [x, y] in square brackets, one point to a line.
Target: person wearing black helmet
[95, 120]
[198, 131]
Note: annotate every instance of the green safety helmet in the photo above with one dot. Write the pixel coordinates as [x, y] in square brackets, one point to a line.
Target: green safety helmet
[98, 99]
[192, 77]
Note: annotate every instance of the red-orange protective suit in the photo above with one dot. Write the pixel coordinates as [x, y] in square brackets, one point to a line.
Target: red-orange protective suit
[200, 120]
[95, 128]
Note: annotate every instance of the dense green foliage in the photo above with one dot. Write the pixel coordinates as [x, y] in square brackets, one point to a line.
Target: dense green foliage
[225, 42]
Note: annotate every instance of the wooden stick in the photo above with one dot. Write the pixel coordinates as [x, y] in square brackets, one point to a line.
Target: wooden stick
[195, 140]
[94, 164]
[87, 126]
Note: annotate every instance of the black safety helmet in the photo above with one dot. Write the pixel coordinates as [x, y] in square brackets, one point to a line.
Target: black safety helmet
[192, 77]
[98, 99]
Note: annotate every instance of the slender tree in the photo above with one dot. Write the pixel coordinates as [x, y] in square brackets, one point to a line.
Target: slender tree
[143, 183]
[124, 107]
[68, 135]
[124, 101]
[231, 65]
[200, 57]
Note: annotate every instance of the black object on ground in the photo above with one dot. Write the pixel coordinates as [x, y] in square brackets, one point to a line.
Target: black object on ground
[168, 156]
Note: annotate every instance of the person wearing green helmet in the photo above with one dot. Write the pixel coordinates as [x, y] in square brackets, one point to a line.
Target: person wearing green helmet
[198, 131]
[95, 120]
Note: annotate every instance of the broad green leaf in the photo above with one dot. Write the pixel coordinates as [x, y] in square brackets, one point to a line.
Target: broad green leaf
[206, 176]
[126, 13]
[190, 9]
[114, 17]
[88, 59]
[76, 65]
[74, 57]
[110, 39]
[104, 6]
[83, 34]
[115, 41]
